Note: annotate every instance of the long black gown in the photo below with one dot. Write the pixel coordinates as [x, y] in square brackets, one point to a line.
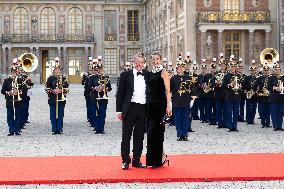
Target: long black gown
[156, 112]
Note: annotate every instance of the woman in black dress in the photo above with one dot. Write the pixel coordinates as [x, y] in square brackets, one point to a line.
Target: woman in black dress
[159, 106]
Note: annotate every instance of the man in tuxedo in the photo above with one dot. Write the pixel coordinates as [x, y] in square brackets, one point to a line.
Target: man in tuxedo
[131, 100]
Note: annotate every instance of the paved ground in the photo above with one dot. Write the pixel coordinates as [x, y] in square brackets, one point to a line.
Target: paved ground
[78, 139]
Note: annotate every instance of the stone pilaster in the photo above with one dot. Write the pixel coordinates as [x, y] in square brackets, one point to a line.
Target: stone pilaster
[86, 59]
[267, 38]
[65, 61]
[9, 61]
[37, 71]
[251, 45]
[3, 64]
[203, 44]
[220, 42]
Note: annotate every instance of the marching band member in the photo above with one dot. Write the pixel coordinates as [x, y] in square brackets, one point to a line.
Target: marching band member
[57, 87]
[126, 67]
[261, 88]
[220, 93]
[194, 108]
[25, 95]
[85, 79]
[202, 79]
[276, 96]
[251, 100]
[242, 76]
[99, 85]
[181, 97]
[211, 105]
[231, 84]
[12, 89]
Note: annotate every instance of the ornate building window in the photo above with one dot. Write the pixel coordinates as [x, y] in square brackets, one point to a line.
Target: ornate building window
[47, 21]
[110, 61]
[21, 21]
[133, 27]
[232, 44]
[75, 61]
[110, 25]
[232, 6]
[75, 21]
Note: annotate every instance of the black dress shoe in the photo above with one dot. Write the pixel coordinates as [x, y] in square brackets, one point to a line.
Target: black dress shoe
[10, 134]
[281, 129]
[275, 129]
[190, 130]
[212, 123]
[103, 132]
[250, 123]
[179, 139]
[54, 133]
[235, 130]
[185, 139]
[263, 126]
[97, 132]
[230, 130]
[138, 165]
[17, 133]
[28, 122]
[125, 165]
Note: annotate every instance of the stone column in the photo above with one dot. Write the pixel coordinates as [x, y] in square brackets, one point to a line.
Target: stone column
[251, 45]
[202, 44]
[86, 59]
[267, 38]
[3, 65]
[220, 42]
[65, 64]
[37, 71]
[9, 61]
[92, 51]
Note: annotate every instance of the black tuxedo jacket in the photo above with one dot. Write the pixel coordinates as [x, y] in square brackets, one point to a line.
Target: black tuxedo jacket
[125, 91]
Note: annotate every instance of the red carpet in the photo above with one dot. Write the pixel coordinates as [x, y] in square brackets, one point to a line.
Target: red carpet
[107, 169]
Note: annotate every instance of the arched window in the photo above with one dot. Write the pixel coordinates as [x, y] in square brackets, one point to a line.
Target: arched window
[47, 21]
[21, 21]
[75, 21]
[232, 6]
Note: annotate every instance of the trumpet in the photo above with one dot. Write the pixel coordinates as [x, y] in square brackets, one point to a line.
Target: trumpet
[264, 91]
[236, 85]
[280, 87]
[250, 94]
[207, 88]
[103, 81]
[219, 78]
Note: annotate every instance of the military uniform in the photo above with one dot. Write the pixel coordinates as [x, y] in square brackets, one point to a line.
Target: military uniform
[181, 98]
[25, 98]
[232, 100]
[251, 103]
[13, 102]
[57, 102]
[85, 80]
[276, 100]
[98, 103]
[219, 98]
[261, 88]
[194, 108]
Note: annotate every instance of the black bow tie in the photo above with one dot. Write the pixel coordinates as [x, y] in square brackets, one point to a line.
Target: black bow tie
[140, 73]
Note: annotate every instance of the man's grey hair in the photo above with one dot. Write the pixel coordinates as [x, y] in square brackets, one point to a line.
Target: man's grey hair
[138, 55]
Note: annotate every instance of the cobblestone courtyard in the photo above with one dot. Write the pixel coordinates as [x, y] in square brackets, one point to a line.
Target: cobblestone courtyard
[79, 140]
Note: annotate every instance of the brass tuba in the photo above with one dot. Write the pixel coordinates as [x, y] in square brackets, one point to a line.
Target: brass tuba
[269, 56]
[29, 62]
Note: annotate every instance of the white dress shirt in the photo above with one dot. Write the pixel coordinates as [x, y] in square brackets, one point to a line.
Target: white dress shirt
[139, 93]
